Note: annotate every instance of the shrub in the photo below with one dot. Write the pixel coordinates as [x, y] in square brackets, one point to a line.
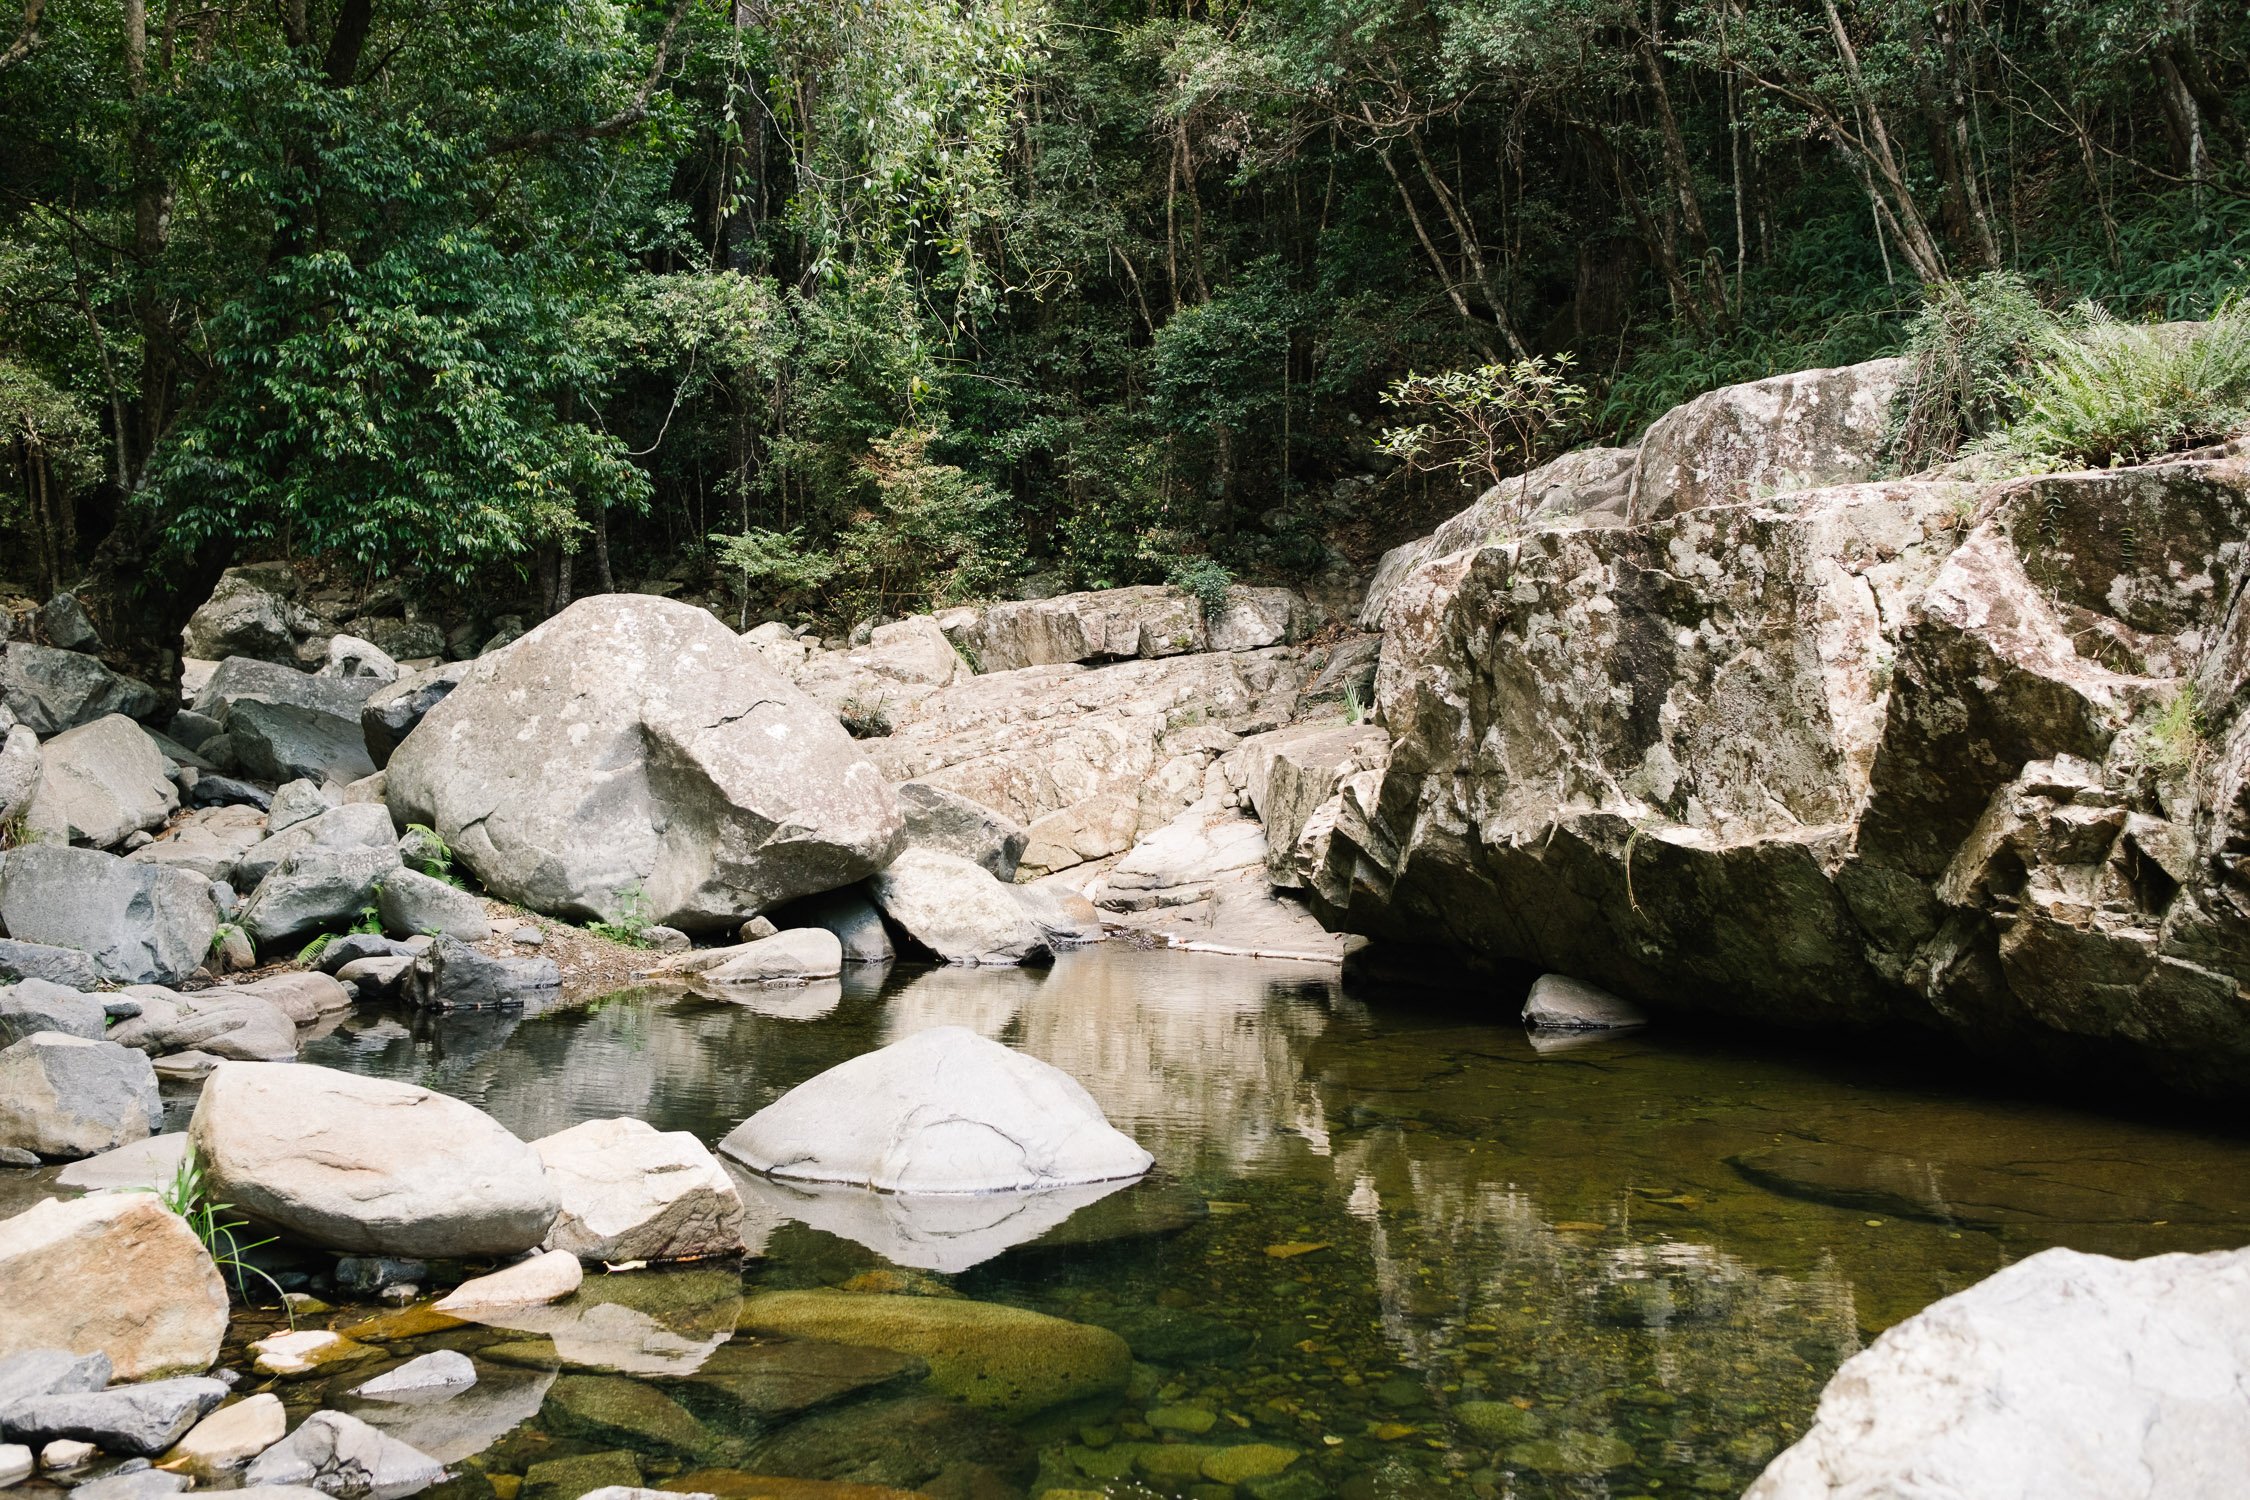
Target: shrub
[1207, 579]
[1967, 351]
[631, 924]
[2105, 393]
[1487, 423]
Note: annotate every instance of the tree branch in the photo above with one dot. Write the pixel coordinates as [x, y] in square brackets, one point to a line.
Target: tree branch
[625, 119]
[27, 35]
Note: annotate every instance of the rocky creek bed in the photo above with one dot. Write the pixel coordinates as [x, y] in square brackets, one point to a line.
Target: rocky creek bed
[1386, 1251]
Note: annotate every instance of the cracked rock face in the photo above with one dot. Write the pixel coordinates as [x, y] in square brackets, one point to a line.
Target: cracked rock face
[634, 756]
[1912, 751]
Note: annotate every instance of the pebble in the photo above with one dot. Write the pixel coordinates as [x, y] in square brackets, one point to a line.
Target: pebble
[527, 936]
[65, 1453]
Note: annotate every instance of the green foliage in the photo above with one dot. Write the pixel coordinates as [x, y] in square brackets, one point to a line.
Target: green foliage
[431, 854]
[2177, 739]
[2103, 393]
[1966, 352]
[370, 923]
[188, 1195]
[1486, 423]
[774, 567]
[1206, 579]
[309, 955]
[1354, 711]
[631, 922]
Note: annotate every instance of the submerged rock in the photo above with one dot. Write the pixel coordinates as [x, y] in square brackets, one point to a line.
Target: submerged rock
[944, 1111]
[1002, 1359]
[634, 751]
[365, 1164]
[2065, 1375]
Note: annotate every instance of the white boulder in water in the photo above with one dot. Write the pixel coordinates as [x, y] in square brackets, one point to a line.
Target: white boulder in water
[944, 1111]
[1560, 1003]
[2064, 1377]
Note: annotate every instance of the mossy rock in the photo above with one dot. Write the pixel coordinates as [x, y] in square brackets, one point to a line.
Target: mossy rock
[614, 1409]
[1497, 1421]
[568, 1478]
[1577, 1454]
[1001, 1359]
[1246, 1461]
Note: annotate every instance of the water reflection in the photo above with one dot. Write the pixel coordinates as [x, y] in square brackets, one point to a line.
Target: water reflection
[1409, 1250]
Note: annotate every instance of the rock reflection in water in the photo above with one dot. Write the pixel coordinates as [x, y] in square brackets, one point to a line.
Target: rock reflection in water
[949, 1233]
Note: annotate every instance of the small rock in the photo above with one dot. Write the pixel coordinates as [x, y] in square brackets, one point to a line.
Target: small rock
[230, 1437]
[16, 1156]
[527, 936]
[756, 928]
[667, 939]
[353, 946]
[187, 1066]
[66, 625]
[546, 1277]
[1557, 1003]
[235, 952]
[47, 1372]
[443, 1370]
[377, 978]
[15, 1464]
[368, 1274]
[630, 1192]
[344, 1457]
[304, 1351]
[66, 1453]
[451, 975]
[296, 802]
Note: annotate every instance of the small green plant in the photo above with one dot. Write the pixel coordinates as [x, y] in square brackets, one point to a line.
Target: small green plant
[370, 923]
[631, 924]
[427, 851]
[2177, 737]
[188, 1195]
[310, 953]
[17, 832]
[1206, 579]
[865, 719]
[2104, 393]
[1354, 711]
[1488, 423]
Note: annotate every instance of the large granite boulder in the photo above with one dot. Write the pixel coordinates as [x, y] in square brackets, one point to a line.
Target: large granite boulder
[66, 1097]
[450, 975]
[368, 1165]
[1152, 620]
[137, 923]
[19, 769]
[100, 782]
[252, 612]
[944, 1111]
[953, 824]
[633, 752]
[33, 1005]
[956, 910]
[116, 1273]
[50, 691]
[355, 826]
[1969, 757]
[410, 902]
[631, 1192]
[1787, 432]
[2064, 1377]
[284, 724]
[390, 715]
[1088, 759]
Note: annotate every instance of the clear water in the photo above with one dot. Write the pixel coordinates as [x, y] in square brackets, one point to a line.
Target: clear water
[1620, 1269]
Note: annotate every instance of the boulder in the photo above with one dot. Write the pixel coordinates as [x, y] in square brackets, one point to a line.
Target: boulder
[900, 665]
[16, 1464]
[50, 691]
[316, 890]
[787, 957]
[1255, 618]
[630, 1192]
[2065, 1375]
[409, 640]
[100, 782]
[354, 946]
[223, 791]
[284, 724]
[19, 771]
[1002, 1359]
[358, 826]
[364, 1164]
[138, 923]
[41, 1372]
[1800, 431]
[225, 1023]
[451, 975]
[349, 656]
[633, 752]
[36, 1005]
[303, 997]
[209, 842]
[953, 824]
[116, 1273]
[150, 1164]
[250, 613]
[390, 715]
[65, 1096]
[848, 914]
[343, 1457]
[535, 1281]
[136, 1419]
[1087, 759]
[944, 1111]
[377, 978]
[957, 910]
[65, 623]
[67, 967]
[410, 902]
[1186, 860]
[296, 802]
[1559, 1003]
[1149, 621]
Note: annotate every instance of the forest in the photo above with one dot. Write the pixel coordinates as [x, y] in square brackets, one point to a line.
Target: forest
[861, 306]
